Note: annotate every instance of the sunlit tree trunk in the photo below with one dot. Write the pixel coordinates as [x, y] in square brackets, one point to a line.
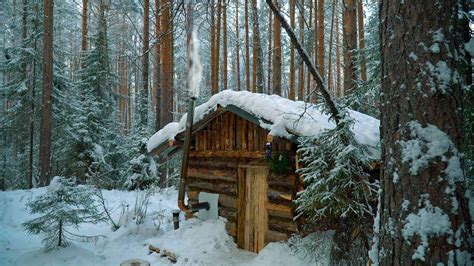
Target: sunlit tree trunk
[277, 54]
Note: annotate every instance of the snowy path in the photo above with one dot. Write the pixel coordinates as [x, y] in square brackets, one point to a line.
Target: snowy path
[195, 243]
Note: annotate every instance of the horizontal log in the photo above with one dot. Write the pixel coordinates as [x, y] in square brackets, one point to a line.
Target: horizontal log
[229, 213]
[228, 201]
[213, 174]
[232, 154]
[273, 236]
[231, 228]
[285, 196]
[279, 210]
[215, 187]
[214, 163]
[282, 225]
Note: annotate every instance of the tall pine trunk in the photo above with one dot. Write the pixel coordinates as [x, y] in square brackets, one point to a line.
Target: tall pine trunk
[247, 47]
[46, 109]
[215, 82]
[321, 52]
[167, 91]
[331, 37]
[257, 73]
[360, 23]
[145, 62]
[424, 202]
[237, 46]
[277, 54]
[291, 94]
[301, 66]
[213, 43]
[350, 44]
[224, 44]
[157, 66]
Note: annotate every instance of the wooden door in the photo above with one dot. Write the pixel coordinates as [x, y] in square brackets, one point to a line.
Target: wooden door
[252, 215]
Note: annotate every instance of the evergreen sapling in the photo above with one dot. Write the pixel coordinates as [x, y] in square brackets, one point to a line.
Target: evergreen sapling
[62, 207]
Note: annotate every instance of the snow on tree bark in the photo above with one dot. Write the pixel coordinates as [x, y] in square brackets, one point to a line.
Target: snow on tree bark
[424, 206]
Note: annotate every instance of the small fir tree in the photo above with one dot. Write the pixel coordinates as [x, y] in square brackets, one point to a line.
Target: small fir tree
[64, 205]
[335, 178]
[143, 169]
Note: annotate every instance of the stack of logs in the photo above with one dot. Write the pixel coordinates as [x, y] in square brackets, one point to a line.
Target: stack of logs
[219, 175]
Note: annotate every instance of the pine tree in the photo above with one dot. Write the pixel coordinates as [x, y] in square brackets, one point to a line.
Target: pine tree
[62, 207]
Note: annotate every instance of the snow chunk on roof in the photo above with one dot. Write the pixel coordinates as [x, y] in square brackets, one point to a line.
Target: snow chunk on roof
[282, 117]
[165, 134]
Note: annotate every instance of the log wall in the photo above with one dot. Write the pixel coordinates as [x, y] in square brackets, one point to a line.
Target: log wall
[220, 148]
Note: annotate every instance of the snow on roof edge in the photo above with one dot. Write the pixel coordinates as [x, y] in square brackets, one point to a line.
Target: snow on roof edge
[285, 115]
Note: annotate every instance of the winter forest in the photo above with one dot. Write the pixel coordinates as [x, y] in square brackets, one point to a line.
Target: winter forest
[226, 132]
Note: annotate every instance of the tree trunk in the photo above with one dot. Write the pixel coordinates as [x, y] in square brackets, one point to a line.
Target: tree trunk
[291, 94]
[237, 45]
[301, 66]
[331, 36]
[213, 44]
[277, 53]
[360, 23]
[224, 52]
[46, 112]
[310, 43]
[421, 96]
[145, 60]
[167, 92]
[215, 83]
[84, 26]
[257, 73]
[338, 59]
[247, 47]
[269, 66]
[157, 67]
[350, 45]
[321, 37]
[314, 95]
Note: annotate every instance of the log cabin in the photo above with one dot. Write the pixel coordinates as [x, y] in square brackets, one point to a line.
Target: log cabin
[244, 148]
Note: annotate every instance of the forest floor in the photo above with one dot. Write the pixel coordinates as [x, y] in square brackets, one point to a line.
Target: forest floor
[195, 243]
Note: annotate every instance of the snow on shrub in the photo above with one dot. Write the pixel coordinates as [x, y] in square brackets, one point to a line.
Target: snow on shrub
[62, 207]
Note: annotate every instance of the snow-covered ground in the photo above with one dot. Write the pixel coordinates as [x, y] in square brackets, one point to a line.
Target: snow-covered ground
[195, 243]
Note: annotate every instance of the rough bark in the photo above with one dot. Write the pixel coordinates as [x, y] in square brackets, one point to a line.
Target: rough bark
[84, 25]
[145, 63]
[350, 45]
[331, 37]
[417, 97]
[360, 25]
[213, 43]
[215, 82]
[157, 65]
[291, 94]
[46, 110]
[224, 44]
[338, 59]
[247, 47]
[301, 66]
[276, 53]
[321, 37]
[237, 45]
[257, 73]
[269, 66]
[167, 91]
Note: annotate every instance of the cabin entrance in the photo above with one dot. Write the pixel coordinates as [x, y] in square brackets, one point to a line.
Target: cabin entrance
[252, 215]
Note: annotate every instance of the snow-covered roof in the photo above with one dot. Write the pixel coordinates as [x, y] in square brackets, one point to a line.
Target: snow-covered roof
[282, 117]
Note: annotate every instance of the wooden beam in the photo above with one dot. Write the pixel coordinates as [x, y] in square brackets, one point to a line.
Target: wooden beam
[233, 154]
